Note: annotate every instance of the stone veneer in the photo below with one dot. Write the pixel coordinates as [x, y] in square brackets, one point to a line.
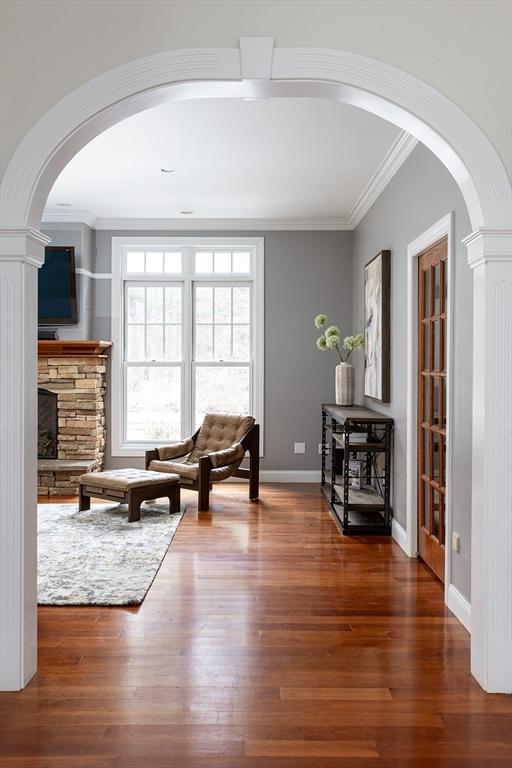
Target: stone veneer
[75, 371]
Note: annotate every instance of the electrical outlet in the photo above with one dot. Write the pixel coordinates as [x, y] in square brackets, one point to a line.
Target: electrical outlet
[320, 448]
[299, 447]
[456, 541]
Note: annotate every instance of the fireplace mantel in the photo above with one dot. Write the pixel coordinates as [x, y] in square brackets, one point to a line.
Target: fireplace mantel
[72, 348]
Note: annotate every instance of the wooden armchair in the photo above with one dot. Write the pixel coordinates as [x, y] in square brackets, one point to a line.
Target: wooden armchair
[213, 453]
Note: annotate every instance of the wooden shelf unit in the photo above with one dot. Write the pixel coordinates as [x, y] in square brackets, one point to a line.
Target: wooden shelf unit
[357, 433]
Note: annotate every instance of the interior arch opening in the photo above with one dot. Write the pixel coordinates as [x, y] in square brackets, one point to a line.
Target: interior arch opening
[26, 196]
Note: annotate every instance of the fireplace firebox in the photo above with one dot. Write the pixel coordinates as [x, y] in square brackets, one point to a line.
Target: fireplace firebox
[47, 424]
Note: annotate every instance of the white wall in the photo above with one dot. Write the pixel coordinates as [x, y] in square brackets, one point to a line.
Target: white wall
[461, 47]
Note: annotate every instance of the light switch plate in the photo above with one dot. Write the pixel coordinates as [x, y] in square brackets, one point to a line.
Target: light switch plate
[299, 447]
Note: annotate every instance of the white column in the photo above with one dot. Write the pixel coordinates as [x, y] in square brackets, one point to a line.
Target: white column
[21, 253]
[490, 256]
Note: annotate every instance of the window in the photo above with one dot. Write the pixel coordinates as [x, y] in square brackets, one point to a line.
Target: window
[187, 327]
[153, 361]
[222, 348]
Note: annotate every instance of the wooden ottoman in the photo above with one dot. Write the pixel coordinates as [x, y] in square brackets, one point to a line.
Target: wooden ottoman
[129, 486]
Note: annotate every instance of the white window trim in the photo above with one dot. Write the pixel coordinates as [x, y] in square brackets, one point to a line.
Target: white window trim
[256, 276]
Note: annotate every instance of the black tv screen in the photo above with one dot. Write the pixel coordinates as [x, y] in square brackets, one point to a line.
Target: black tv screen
[57, 287]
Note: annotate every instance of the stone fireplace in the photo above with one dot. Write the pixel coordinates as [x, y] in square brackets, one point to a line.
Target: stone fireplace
[71, 413]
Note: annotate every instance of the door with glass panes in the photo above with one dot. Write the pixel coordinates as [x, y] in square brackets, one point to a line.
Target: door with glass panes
[432, 319]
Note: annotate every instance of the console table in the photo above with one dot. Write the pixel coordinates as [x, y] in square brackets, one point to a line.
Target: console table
[356, 477]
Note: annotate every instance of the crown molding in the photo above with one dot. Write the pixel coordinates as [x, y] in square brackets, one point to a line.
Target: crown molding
[73, 216]
[393, 161]
[221, 224]
[192, 225]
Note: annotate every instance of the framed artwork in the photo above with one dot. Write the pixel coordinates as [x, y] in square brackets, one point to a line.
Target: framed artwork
[376, 327]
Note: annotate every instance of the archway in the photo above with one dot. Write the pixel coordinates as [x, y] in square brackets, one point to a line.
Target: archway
[257, 69]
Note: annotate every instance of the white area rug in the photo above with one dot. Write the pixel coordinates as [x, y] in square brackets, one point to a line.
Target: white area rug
[97, 557]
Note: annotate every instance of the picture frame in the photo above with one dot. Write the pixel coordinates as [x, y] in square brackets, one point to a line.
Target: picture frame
[377, 283]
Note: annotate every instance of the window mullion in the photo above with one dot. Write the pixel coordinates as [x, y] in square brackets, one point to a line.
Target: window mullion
[164, 324]
[187, 336]
[213, 323]
[231, 305]
[124, 289]
[145, 322]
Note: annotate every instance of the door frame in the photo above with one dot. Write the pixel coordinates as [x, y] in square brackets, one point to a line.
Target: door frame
[442, 228]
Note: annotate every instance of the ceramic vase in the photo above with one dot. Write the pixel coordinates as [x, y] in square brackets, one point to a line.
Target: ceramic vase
[345, 384]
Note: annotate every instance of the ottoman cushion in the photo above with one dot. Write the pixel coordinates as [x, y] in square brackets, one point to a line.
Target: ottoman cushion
[126, 479]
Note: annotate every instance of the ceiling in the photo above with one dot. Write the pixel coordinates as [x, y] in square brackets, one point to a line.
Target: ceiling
[290, 159]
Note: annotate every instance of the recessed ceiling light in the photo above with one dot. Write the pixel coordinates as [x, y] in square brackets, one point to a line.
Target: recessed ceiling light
[186, 213]
[169, 170]
[64, 205]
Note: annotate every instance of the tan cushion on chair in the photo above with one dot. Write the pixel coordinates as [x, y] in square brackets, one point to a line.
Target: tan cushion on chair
[218, 432]
[235, 453]
[177, 450]
[184, 470]
[188, 473]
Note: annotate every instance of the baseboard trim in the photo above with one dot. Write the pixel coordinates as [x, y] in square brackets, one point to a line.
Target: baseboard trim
[400, 536]
[459, 606]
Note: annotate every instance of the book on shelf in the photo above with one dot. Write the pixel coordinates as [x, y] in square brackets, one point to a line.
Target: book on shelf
[358, 437]
[355, 473]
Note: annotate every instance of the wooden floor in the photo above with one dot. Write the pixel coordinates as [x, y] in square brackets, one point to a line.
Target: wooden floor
[267, 640]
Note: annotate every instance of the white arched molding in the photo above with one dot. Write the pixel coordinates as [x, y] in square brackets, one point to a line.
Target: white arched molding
[257, 69]
[234, 73]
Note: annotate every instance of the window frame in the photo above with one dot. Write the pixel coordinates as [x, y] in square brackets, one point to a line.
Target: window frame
[188, 278]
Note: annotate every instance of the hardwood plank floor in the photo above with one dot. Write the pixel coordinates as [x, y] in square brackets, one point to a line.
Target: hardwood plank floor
[267, 640]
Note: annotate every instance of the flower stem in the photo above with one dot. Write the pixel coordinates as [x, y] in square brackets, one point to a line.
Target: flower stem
[339, 353]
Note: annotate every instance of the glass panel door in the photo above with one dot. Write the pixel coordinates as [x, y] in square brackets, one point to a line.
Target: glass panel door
[432, 317]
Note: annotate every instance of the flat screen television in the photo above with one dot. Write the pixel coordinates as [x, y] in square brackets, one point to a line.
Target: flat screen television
[57, 287]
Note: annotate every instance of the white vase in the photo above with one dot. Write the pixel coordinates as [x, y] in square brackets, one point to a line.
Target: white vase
[345, 384]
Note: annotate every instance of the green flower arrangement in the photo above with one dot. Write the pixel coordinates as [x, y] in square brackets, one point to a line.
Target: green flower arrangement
[331, 339]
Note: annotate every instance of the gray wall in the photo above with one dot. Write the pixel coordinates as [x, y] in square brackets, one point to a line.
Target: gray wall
[305, 273]
[82, 238]
[420, 194]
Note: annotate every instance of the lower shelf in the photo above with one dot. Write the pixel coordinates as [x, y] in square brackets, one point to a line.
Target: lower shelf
[361, 498]
[367, 521]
